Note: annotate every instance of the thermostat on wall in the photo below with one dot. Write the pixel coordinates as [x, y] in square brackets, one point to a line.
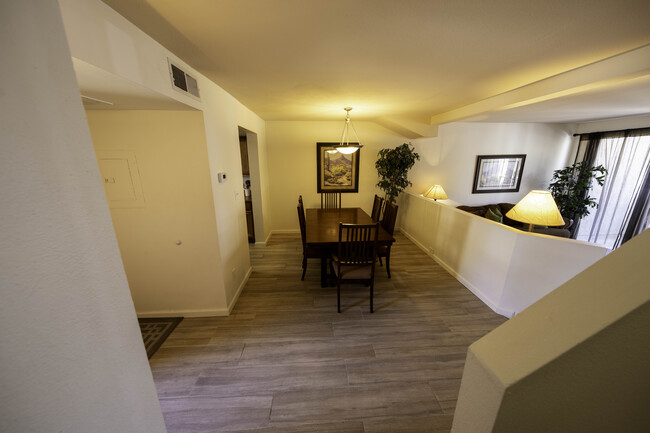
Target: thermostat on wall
[221, 177]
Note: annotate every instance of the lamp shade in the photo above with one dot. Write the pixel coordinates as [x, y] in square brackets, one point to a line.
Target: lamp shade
[539, 208]
[436, 192]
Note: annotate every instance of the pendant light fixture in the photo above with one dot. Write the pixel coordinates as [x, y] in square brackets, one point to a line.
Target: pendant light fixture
[347, 147]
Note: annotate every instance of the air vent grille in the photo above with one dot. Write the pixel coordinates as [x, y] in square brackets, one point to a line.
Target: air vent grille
[183, 81]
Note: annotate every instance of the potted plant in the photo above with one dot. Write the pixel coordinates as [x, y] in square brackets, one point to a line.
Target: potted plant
[570, 188]
[393, 166]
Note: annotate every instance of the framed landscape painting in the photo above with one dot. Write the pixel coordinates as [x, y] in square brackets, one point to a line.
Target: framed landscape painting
[498, 173]
[336, 172]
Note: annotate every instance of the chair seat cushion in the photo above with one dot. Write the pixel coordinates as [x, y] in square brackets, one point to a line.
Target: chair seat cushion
[353, 272]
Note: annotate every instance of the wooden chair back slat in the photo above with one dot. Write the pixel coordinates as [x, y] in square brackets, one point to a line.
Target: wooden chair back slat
[376, 208]
[301, 220]
[390, 216]
[357, 252]
[357, 243]
[330, 200]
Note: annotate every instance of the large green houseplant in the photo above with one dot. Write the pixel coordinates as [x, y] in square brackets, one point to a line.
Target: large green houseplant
[393, 166]
[570, 188]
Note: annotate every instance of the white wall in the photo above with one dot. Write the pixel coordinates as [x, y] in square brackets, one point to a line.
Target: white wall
[577, 360]
[71, 352]
[450, 158]
[101, 37]
[292, 165]
[506, 268]
[166, 279]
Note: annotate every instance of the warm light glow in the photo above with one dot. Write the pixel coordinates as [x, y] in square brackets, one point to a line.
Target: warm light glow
[537, 208]
[436, 192]
[347, 149]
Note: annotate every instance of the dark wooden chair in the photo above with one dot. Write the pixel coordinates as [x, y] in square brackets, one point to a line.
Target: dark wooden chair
[330, 200]
[307, 252]
[355, 259]
[388, 224]
[376, 208]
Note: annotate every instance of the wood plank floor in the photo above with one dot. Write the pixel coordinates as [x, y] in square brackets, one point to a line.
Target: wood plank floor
[285, 361]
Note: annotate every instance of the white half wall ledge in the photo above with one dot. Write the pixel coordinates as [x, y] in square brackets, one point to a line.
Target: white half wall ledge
[506, 268]
[575, 361]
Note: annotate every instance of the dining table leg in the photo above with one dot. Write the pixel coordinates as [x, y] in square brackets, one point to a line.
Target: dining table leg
[323, 271]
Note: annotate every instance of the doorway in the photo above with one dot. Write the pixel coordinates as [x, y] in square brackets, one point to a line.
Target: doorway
[251, 185]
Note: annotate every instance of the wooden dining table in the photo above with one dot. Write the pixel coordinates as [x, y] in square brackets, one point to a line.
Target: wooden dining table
[322, 231]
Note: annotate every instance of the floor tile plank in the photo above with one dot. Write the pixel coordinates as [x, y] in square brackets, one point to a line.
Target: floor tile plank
[286, 361]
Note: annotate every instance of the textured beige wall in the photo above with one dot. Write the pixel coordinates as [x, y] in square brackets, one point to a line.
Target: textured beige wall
[450, 158]
[71, 354]
[102, 38]
[577, 360]
[292, 165]
[165, 278]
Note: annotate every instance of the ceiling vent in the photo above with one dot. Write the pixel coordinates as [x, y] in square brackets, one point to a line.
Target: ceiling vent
[183, 81]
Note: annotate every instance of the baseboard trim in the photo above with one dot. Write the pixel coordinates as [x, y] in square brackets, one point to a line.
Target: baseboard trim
[267, 238]
[217, 312]
[233, 302]
[462, 280]
[284, 231]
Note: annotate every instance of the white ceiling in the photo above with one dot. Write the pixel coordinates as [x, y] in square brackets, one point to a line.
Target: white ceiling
[101, 90]
[628, 98]
[405, 61]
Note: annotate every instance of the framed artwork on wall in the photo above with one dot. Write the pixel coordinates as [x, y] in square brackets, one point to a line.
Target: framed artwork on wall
[498, 173]
[336, 172]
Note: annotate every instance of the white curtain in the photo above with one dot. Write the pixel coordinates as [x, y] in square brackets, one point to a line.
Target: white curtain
[626, 156]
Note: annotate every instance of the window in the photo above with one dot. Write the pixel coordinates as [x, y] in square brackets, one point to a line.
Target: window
[624, 200]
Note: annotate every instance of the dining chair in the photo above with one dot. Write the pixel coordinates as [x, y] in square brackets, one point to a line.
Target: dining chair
[388, 224]
[307, 252]
[376, 208]
[330, 200]
[354, 261]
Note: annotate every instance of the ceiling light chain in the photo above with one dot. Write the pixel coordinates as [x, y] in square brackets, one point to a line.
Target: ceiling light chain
[345, 146]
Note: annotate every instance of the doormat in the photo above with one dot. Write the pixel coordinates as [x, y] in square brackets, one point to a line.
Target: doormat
[155, 331]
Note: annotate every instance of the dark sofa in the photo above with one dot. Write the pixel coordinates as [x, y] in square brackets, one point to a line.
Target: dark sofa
[503, 208]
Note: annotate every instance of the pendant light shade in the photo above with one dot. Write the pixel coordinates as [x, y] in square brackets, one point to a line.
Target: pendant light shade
[346, 147]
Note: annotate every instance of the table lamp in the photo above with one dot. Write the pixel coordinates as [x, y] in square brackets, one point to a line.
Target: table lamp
[436, 192]
[537, 208]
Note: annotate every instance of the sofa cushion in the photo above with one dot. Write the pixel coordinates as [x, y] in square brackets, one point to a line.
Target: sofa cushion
[476, 210]
[503, 208]
[494, 216]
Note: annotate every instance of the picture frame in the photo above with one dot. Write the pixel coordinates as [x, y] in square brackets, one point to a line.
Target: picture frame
[335, 171]
[498, 173]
